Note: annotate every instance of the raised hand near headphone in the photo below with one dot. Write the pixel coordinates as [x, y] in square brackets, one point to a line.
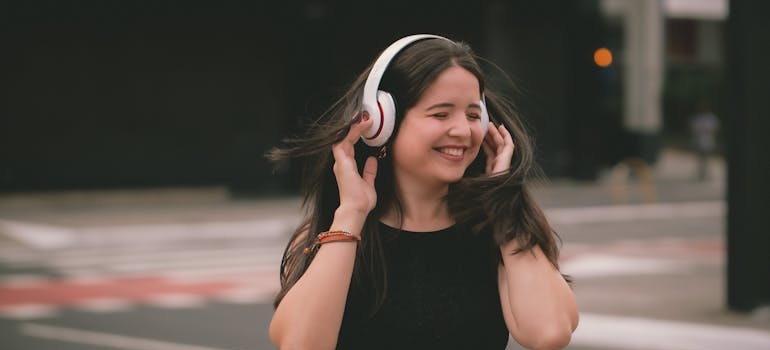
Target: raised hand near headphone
[357, 193]
[498, 146]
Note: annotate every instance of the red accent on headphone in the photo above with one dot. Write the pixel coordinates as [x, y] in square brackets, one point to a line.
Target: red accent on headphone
[382, 122]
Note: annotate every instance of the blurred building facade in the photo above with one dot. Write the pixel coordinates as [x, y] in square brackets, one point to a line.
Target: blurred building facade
[187, 93]
[192, 93]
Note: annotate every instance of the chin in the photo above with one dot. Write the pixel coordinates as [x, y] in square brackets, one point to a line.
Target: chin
[452, 178]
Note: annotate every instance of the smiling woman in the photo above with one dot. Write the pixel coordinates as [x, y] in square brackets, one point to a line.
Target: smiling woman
[426, 245]
[441, 135]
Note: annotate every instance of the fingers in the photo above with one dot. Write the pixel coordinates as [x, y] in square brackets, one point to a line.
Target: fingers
[345, 147]
[498, 137]
[495, 136]
[498, 146]
[507, 138]
[358, 128]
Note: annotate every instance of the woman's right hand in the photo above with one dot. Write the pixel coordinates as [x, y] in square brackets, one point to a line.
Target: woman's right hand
[357, 192]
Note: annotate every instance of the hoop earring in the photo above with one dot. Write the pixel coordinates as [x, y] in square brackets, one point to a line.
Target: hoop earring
[383, 152]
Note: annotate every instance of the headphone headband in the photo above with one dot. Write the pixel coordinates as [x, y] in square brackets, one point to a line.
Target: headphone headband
[382, 126]
[379, 67]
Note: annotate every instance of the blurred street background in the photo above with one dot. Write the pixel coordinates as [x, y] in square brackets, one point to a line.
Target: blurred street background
[137, 210]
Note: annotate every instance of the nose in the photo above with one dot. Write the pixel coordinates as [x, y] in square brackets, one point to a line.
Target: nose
[461, 126]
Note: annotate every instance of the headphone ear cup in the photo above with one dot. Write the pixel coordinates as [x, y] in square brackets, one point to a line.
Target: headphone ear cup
[387, 112]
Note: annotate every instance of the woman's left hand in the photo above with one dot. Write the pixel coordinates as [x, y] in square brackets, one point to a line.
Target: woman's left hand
[498, 146]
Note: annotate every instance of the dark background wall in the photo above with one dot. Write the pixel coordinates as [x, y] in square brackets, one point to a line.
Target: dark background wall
[547, 48]
[116, 94]
[138, 93]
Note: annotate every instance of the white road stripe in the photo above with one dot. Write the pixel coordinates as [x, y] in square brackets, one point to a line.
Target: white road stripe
[46, 237]
[176, 301]
[619, 213]
[28, 311]
[103, 339]
[632, 333]
[109, 258]
[249, 295]
[603, 265]
[38, 235]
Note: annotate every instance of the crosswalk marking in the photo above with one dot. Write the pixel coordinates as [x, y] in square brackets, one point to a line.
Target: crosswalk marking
[217, 262]
[249, 295]
[29, 311]
[41, 236]
[636, 212]
[603, 265]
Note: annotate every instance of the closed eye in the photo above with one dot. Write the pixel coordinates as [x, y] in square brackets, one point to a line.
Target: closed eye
[439, 115]
[474, 116]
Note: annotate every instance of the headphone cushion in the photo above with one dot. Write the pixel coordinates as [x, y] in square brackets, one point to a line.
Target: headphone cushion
[484, 117]
[387, 114]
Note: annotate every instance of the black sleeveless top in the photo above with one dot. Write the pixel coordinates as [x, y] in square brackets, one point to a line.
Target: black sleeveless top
[441, 294]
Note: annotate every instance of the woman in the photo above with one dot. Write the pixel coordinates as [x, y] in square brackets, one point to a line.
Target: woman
[420, 243]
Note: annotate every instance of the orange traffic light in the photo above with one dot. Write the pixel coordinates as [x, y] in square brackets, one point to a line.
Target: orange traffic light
[603, 57]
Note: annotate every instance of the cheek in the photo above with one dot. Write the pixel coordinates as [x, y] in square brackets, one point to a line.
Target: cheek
[477, 138]
[477, 135]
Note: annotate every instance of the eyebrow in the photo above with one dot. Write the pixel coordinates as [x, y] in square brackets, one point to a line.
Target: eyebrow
[447, 104]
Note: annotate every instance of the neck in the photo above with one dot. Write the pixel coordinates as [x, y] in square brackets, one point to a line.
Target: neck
[422, 209]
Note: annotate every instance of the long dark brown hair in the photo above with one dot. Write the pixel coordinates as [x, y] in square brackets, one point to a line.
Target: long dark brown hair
[498, 203]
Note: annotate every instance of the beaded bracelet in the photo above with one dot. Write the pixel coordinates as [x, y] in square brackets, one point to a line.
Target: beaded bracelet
[331, 236]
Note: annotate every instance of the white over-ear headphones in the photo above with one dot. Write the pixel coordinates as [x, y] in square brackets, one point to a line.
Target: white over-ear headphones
[380, 104]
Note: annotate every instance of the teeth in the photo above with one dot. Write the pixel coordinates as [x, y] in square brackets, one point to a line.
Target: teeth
[453, 151]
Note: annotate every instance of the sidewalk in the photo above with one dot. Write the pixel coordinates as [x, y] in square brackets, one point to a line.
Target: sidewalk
[673, 173]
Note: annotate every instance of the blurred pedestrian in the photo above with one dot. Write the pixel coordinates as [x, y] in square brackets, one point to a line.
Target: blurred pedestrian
[703, 128]
[638, 152]
[411, 241]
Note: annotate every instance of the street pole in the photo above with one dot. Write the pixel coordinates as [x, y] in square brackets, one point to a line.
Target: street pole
[748, 155]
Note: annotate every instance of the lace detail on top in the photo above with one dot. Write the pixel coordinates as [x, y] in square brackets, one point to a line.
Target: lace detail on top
[441, 294]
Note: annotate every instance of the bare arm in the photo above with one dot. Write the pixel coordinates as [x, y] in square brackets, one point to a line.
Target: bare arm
[538, 304]
[310, 314]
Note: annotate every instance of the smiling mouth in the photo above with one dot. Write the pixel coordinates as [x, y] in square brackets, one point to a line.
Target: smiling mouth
[452, 151]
